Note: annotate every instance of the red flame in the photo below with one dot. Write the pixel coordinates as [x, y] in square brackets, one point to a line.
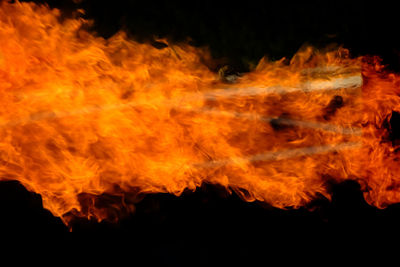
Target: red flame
[82, 116]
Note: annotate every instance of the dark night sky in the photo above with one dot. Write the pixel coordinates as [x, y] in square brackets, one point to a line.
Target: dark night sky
[211, 227]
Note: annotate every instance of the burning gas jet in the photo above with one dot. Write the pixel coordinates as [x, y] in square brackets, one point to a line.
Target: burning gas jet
[82, 117]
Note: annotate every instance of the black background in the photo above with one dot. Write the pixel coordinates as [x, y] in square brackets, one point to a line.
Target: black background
[210, 226]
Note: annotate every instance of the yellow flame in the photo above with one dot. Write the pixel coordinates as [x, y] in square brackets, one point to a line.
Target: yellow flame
[82, 116]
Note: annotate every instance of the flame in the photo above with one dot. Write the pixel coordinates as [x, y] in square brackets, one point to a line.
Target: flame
[84, 118]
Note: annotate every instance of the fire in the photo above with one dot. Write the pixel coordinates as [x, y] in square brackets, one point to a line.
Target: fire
[83, 119]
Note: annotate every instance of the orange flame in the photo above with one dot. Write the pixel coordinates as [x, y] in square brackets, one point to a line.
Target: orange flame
[82, 116]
